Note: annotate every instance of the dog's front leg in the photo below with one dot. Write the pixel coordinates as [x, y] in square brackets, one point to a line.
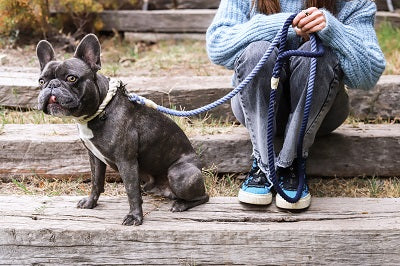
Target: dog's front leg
[129, 172]
[98, 169]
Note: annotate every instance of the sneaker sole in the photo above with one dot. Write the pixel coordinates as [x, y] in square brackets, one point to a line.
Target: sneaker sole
[303, 203]
[256, 199]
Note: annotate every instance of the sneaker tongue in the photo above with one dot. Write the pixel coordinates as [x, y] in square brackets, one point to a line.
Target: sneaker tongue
[289, 178]
[292, 183]
[258, 179]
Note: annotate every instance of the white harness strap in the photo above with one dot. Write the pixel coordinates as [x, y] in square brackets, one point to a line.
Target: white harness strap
[85, 133]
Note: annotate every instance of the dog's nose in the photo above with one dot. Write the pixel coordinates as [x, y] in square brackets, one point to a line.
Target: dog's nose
[54, 83]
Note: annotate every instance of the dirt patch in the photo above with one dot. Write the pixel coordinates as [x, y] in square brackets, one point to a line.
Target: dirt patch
[124, 58]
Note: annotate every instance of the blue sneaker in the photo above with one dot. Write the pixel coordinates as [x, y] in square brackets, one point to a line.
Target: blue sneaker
[256, 188]
[289, 182]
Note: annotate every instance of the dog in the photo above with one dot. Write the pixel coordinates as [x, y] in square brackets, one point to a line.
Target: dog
[143, 145]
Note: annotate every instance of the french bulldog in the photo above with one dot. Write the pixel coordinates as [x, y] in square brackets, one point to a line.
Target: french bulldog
[143, 145]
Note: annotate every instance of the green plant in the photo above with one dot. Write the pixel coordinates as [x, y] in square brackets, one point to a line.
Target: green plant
[23, 16]
[33, 17]
[388, 37]
[21, 186]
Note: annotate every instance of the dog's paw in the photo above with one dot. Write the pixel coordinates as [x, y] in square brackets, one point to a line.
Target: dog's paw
[87, 203]
[132, 220]
[179, 206]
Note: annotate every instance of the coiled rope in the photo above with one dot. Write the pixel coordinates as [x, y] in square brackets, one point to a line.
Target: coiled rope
[281, 37]
[316, 51]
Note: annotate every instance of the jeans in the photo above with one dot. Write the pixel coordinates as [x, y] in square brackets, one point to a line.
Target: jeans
[329, 107]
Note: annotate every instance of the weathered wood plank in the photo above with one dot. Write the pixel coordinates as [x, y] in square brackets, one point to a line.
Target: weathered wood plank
[379, 102]
[344, 231]
[179, 21]
[382, 4]
[197, 4]
[392, 17]
[56, 151]
[156, 37]
[182, 4]
[213, 4]
[190, 4]
[19, 89]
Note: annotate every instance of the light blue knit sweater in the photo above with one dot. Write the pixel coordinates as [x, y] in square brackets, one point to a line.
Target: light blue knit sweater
[350, 34]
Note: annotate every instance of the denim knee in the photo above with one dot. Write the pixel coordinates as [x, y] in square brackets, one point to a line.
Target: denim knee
[250, 57]
[328, 60]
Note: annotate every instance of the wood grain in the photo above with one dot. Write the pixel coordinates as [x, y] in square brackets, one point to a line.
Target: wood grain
[56, 151]
[19, 89]
[171, 21]
[180, 21]
[392, 17]
[344, 231]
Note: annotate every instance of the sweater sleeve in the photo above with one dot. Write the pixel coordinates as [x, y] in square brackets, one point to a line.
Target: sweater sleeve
[232, 31]
[352, 37]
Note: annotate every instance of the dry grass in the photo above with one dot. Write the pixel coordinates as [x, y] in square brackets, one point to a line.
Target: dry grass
[216, 185]
[35, 185]
[10, 116]
[191, 126]
[124, 58]
[165, 58]
[355, 187]
[226, 185]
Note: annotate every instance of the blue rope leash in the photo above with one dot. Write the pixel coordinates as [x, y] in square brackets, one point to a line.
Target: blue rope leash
[281, 37]
[316, 51]
[141, 100]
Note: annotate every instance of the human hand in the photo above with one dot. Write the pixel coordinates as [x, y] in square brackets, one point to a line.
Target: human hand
[309, 21]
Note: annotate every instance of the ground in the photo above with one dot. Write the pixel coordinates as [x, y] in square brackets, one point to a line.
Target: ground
[122, 58]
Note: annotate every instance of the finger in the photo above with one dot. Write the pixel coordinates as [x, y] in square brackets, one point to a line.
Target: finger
[299, 31]
[302, 34]
[308, 19]
[303, 14]
[297, 19]
[311, 9]
[312, 24]
[317, 28]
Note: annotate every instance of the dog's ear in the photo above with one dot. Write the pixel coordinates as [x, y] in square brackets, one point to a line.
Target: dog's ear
[88, 50]
[45, 53]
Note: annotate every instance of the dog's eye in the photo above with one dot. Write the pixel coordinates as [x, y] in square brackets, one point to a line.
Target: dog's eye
[41, 82]
[71, 78]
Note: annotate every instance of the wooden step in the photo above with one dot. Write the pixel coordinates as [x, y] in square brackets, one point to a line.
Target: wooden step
[392, 17]
[179, 21]
[19, 89]
[382, 5]
[56, 151]
[167, 21]
[335, 231]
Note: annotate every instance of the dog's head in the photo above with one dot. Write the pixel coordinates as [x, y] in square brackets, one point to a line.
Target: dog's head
[70, 87]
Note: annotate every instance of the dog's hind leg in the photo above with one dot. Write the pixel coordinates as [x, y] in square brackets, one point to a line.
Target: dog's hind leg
[187, 183]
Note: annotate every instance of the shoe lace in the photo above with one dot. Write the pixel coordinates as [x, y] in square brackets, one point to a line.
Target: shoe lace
[256, 177]
[288, 177]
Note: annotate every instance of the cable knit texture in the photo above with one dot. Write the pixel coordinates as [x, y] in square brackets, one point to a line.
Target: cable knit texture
[350, 34]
